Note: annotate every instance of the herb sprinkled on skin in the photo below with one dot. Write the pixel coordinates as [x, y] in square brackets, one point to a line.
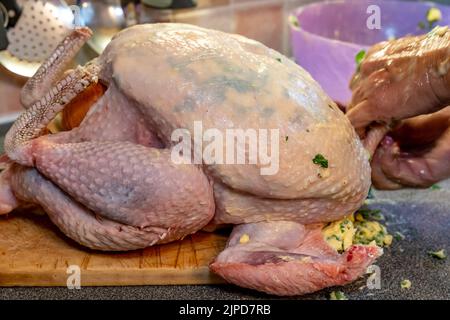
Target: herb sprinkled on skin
[435, 187]
[337, 295]
[286, 139]
[320, 160]
[438, 254]
[278, 59]
[359, 58]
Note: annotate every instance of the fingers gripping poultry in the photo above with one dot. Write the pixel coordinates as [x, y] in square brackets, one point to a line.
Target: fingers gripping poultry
[406, 78]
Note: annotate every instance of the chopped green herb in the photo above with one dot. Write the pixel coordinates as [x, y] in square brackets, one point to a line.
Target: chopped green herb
[435, 187]
[359, 58]
[432, 16]
[286, 139]
[343, 225]
[370, 194]
[337, 295]
[334, 237]
[370, 214]
[294, 21]
[405, 284]
[438, 254]
[399, 236]
[278, 59]
[320, 160]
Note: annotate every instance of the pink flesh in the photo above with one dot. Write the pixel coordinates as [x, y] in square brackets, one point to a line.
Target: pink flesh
[130, 111]
[233, 207]
[125, 180]
[80, 223]
[8, 200]
[287, 258]
[110, 184]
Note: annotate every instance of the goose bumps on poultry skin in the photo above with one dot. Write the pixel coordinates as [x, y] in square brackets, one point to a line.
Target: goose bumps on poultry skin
[110, 183]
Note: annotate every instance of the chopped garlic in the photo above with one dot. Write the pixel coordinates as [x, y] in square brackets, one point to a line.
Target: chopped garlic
[368, 231]
[405, 284]
[356, 229]
[337, 295]
[286, 258]
[433, 15]
[244, 238]
[387, 240]
[306, 259]
[339, 234]
[438, 254]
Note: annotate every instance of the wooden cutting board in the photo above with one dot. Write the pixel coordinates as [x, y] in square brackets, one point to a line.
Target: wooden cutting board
[33, 252]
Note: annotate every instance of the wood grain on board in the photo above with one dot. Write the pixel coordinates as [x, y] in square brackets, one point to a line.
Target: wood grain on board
[33, 252]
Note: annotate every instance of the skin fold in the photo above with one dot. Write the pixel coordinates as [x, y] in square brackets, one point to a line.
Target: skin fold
[110, 183]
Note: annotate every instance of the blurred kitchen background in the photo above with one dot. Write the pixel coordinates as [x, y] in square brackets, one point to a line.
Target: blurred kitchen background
[262, 20]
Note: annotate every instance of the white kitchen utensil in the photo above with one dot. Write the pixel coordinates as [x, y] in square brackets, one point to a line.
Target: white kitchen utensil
[41, 26]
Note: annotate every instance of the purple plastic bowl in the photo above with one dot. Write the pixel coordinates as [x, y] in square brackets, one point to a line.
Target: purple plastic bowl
[330, 34]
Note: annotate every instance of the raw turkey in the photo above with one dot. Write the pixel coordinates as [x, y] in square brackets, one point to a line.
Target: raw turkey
[111, 184]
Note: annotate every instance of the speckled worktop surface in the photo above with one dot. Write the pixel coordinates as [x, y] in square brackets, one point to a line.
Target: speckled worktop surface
[422, 216]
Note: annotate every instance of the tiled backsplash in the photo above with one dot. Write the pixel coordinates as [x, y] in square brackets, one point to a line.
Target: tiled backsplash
[262, 20]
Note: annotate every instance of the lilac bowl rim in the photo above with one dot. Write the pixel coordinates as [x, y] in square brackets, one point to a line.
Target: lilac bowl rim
[295, 12]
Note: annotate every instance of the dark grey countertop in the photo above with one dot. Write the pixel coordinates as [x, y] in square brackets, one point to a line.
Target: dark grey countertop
[424, 224]
[422, 216]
